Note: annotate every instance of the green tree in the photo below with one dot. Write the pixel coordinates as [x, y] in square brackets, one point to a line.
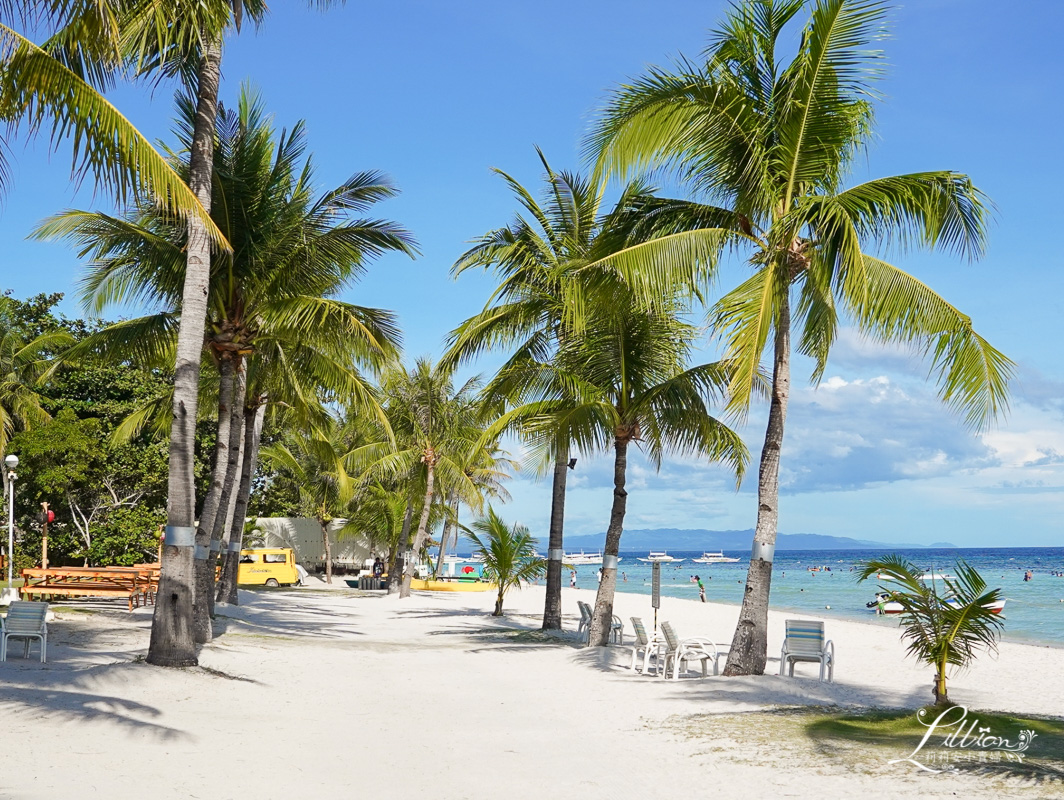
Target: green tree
[629, 371]
[56, 85]
[318, 462]
[271, 298]
[773, 142]
[194, 48]
[22, 364]
[546, 261]
[509, 554]
[940, 633]
[434, 424]
[108, 498]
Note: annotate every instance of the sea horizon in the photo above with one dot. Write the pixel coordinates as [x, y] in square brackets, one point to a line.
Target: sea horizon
[1033, 614]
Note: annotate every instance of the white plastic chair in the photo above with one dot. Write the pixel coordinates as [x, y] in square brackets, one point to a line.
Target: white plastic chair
[804, 641]
[680, 651]
[584, 627]
[642, 644]
[25, 620]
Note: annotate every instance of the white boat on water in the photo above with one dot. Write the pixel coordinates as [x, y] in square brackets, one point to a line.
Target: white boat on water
[883, 604]
[576, 559]
[715, 558]
[661, 557]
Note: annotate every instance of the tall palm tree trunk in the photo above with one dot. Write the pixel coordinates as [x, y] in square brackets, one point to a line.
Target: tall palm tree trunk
[172, 642]
[422, 528]
[201, 624]
[749, 647]
[328, 549]
[395, 572]
[602, 617]
[226, 507]
[552, 608]
[450, 521]
[252, 435]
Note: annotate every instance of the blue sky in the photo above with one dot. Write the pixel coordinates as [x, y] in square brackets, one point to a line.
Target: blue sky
[435, 94]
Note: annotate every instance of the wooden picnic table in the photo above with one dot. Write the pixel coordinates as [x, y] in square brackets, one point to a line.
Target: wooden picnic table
[136, 584]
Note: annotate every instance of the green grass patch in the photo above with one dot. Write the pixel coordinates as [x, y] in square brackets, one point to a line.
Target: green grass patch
[965, 742]
[73, 610]
[866, 741]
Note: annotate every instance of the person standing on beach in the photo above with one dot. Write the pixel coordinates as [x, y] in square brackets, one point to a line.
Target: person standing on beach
[701, 588]
[572, 579]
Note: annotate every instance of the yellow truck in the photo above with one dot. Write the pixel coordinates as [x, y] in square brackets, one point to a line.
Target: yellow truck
[268, 566]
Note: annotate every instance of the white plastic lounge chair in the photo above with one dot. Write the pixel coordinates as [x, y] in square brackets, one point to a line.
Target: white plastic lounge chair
[804, 641]
[649, 646]
[680, 651]
[25, 620]
[584, 627]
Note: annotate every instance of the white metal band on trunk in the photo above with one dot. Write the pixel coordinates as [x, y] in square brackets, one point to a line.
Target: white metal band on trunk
[216, 545]
[763, 551]
[201, 553]
[234, 547]
[556, 555]
[610, 562]
[179, 536]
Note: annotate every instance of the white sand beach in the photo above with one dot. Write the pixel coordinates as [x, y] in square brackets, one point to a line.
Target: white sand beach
[326, 692]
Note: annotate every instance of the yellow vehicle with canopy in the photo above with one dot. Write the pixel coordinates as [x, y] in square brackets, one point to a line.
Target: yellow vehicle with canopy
[268, 566]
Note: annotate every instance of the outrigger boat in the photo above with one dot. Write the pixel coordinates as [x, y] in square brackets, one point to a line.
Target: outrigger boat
[576, 559]
[661, 557]
[883, 604]
[715, 558]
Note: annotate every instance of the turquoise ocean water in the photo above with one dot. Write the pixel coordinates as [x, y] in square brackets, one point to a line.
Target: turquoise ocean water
[1034, 611]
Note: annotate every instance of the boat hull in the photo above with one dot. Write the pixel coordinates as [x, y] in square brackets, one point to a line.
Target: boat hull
[451, 586]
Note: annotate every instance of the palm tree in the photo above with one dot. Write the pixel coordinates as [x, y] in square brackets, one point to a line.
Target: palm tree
[292, 252]
[509, 554]
[546, 259]
[54, 84]
[195, 48]
[22, 364]
[318, 461]
[773, 143]
[940, 633]
[628, 370]
[434, 425]
[486, 466]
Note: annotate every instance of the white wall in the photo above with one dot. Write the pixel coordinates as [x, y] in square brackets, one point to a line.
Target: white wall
[304, 536]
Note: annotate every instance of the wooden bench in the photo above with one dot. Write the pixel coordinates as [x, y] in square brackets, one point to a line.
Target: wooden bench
[135, 584]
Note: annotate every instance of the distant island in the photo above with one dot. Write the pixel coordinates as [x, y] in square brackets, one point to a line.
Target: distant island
[679, 539]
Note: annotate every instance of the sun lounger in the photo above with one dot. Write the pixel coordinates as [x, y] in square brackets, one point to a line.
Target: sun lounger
[584, 626]
[25, 620]
[649, 646]
[681, 651]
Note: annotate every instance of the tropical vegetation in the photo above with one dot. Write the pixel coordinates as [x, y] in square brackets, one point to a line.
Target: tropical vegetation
[944, 628]
[509, 554]
[769, 145]
[247, 345]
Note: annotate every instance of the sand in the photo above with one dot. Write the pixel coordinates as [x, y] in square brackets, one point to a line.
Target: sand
[330, 692]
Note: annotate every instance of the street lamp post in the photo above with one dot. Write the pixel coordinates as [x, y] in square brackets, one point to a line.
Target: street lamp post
[11, 461]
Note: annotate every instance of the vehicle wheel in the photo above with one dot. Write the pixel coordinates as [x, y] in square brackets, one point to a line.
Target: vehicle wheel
[272, 583]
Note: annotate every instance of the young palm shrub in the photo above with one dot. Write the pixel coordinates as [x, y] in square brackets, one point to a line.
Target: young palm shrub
[938, 633]
[509, 554]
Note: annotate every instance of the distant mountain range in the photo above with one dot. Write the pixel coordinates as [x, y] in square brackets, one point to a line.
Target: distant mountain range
[677, 539]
